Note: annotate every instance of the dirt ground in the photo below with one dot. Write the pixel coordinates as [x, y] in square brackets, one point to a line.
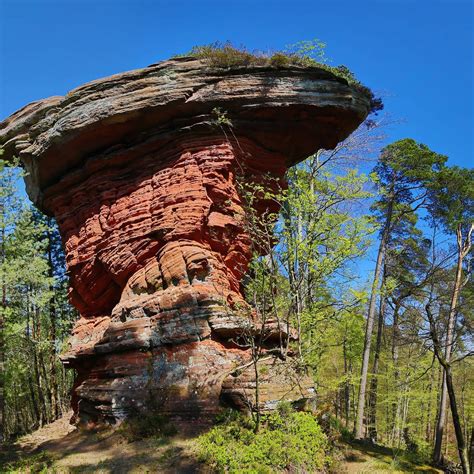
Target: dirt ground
[70, 450]
[366, 459]
[62, 448]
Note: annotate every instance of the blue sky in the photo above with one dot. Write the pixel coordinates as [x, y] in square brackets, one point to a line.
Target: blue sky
[418, 53]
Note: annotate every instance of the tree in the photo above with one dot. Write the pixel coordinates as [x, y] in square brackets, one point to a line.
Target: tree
[306, 252]
[9, 206]
[405, 261]
[403, 170]
[319, 235]
[35, 317]
[452, 204]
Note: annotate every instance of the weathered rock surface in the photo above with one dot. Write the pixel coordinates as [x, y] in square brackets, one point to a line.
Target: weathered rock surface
[139, 170]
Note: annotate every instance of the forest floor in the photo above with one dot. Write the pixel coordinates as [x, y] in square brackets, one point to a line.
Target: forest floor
[365, 459]
[61, 448]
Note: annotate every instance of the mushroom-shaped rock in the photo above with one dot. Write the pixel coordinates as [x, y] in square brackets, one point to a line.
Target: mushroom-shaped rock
[139, 170]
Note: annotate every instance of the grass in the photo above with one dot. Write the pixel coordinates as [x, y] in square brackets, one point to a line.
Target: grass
[39, 463]
[361, 457]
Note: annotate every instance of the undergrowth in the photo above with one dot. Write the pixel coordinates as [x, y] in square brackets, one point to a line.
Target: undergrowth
[35, 464]
[286, 441]
[146, 426]
[305, 54]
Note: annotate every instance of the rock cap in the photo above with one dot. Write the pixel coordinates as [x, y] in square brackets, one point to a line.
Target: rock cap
[293, 110]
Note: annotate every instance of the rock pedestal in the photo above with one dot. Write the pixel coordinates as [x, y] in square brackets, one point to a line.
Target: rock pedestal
[140, 171]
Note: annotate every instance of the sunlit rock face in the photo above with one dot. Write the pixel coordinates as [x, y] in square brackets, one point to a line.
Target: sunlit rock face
[140, 171]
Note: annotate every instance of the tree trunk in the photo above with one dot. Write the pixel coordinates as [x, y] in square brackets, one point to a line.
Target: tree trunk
[372, 415]
[428, 435]
[440, 422]
[448, 380]
[34, 404]
[462, 446]
[291, 268]
[347, 388]
[2, 328]
[406, 403]
[52, 331]
[46, 388]
[463, 249]
[36, 336]
[471, 448]
[396, 405]
[2, 378]
[359, 426]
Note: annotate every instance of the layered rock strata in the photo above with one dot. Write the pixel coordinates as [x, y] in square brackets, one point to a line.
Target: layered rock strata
[140, 171]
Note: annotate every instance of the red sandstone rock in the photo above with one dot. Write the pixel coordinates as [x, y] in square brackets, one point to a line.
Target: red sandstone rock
[142, 182]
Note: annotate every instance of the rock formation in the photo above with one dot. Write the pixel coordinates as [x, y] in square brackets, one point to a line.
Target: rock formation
[139, 170]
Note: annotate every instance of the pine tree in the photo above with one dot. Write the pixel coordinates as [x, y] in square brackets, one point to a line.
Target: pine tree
[403, 170]
[452, 204]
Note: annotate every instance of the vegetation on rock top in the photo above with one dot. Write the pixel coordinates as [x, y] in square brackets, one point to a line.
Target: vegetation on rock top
[307, 54]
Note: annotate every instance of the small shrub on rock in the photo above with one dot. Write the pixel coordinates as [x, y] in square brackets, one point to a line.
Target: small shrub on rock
[226, 55]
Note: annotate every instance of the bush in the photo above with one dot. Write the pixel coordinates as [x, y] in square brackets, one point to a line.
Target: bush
[146, 426]
[280, 60]
[227, 55]
[293, 442]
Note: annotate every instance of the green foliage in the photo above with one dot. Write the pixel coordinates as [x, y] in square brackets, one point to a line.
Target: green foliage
[220, 117]
[452, 197]
[280, 60]
[403, 168]
[287, 440]
[226, 55]
[306, 279]
[304, 53]
[35, 464]
[144, 426]
[320, 236]
[34, 313]
[308, 52]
